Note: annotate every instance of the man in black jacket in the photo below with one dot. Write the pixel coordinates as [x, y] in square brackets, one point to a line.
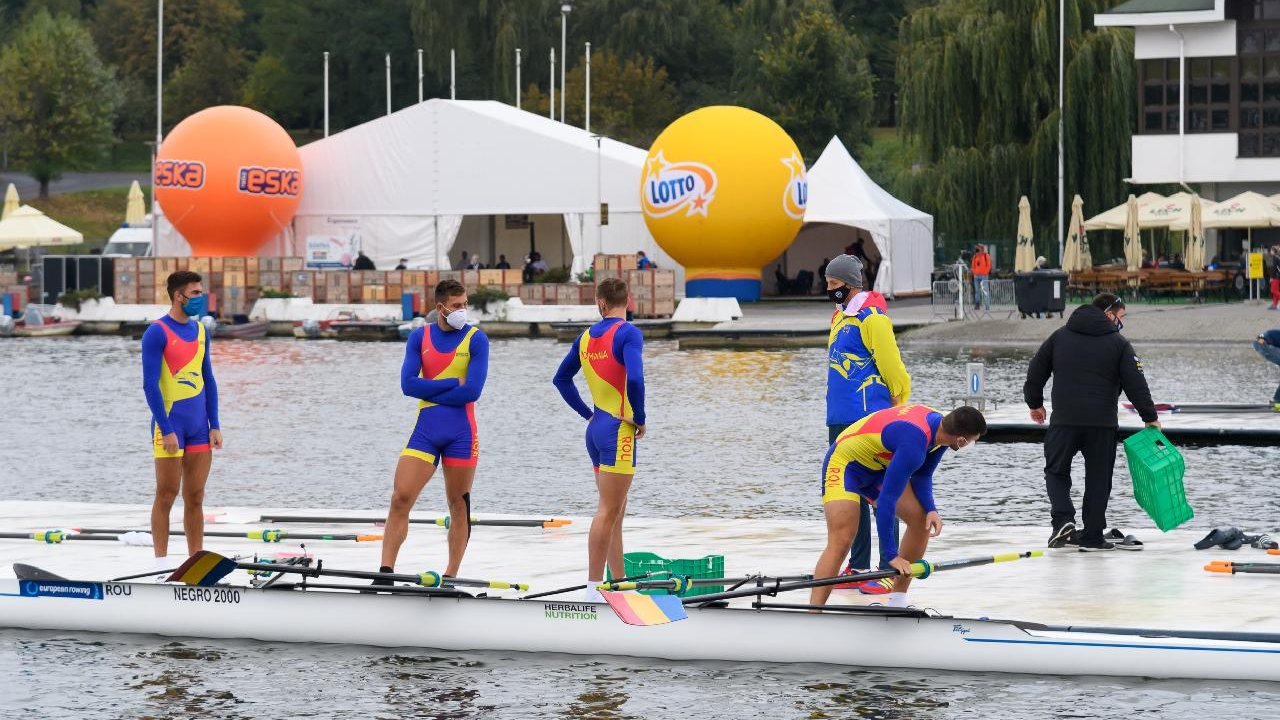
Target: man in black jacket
[1090, 362]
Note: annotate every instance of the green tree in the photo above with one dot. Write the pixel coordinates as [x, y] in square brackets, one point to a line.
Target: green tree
[979, 98]
[58, 101]
[816, 82]
[631, 101]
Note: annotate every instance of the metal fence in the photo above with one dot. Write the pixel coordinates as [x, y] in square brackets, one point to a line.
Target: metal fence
[954, 298]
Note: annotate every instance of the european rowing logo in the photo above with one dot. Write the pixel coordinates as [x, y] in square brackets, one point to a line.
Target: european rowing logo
[182, 174]
[796, 196]
[673, 186]
[270, 181]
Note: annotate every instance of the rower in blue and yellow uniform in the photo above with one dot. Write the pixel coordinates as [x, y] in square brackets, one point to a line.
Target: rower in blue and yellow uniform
[865, 373]
[177, 379]
[609, 355]
[445, 366]
[887, 459]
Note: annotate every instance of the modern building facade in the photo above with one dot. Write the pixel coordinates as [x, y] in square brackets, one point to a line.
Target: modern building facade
[1208, 95]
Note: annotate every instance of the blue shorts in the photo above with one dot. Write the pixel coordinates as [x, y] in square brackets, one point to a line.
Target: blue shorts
[191, 427]
[445, 432]
[611, 444]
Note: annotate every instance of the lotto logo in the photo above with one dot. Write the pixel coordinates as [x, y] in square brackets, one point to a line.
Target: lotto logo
[270, 181]
[185, 174]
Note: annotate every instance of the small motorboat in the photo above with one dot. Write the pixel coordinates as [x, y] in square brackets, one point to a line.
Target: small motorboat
[241, 328]
[39, 321]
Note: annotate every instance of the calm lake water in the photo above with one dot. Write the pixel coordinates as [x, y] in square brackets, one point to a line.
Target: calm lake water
[732, 434]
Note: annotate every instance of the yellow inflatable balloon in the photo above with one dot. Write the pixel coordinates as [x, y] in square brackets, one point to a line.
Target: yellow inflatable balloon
[723, 192]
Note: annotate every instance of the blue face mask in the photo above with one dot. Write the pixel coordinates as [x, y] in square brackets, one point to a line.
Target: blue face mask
[195, 307]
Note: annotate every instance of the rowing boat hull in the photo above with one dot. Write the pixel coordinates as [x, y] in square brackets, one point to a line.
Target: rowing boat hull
[725, 634]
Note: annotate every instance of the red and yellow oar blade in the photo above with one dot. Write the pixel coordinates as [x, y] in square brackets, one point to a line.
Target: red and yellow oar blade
[205, 568]
[637, 609]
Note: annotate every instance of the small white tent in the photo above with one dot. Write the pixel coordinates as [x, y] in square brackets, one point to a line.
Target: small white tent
[841, 193]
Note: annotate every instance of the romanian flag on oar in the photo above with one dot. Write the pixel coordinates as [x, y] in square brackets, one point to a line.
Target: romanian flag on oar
[204, 569]
[636, 609]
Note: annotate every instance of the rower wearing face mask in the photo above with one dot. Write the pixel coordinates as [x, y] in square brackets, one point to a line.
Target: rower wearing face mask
[444, 367]
[865, 374]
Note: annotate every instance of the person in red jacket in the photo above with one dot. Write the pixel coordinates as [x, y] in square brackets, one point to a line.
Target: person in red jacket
[981, 267]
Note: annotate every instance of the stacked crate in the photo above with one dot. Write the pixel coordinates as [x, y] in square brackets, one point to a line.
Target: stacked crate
[613, 263]
[125, 282]
[654, 292]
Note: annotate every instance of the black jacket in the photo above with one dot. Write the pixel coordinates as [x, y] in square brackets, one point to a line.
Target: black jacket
[1090, 362]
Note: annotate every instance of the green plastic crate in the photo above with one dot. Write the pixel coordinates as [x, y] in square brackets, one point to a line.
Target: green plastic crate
[711, 566]
[1157, 469]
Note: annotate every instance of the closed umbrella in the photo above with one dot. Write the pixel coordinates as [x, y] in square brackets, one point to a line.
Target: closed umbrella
[1132, 237]
[1193, 255]
[135, 212]
[10, 201]
[1073, 250]
[28, 227]
[1024, 259]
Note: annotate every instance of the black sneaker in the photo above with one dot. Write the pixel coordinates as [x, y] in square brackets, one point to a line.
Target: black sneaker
[1062, 535]
[1096, 546]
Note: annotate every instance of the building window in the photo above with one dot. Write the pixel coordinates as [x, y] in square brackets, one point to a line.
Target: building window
[1209, 95]
[1160, 89]
[1258, 83]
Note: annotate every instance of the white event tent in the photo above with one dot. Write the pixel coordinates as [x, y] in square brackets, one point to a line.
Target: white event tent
[441, 176]
[842, 194]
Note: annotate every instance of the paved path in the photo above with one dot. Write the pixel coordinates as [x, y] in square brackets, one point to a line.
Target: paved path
[71, 182]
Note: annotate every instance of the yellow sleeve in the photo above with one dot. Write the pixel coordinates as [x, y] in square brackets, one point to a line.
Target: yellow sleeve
[877, 334]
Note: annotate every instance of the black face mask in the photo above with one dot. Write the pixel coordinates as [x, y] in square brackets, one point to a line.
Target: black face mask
[839, 295]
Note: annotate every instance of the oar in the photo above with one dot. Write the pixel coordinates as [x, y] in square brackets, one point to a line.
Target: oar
[441, 521]
[646, 610]
[206, 567]
[571, 588]
[263, 535]
[680, 584]
[1226, 566]
[54, 536]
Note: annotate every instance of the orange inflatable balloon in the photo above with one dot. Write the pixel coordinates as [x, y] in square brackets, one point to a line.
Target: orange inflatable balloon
[229, 179]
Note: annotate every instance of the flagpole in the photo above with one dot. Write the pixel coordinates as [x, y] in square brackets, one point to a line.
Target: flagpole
[517, 78]
[326, 94]
[587, 125]
[1062, 54]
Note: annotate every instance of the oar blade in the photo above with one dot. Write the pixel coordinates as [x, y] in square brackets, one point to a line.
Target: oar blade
[204, 568]
[645, 610]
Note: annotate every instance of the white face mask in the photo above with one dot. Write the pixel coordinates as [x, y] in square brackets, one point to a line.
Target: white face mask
[457, 319]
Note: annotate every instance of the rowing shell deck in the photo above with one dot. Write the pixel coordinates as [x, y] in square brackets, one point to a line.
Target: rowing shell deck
[1012, 423]
[1162, 586]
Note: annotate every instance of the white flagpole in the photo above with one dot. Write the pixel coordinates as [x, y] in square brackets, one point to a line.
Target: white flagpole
[419, 74]
[388, 83]
[517, 77]
[326, 94]
[587, 125]
[453, 75]
[551, 106]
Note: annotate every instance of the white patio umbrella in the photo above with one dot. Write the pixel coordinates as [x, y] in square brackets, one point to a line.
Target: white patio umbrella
[1073, 250]
[1193, 252]
[10, 201]
[135, 212]
[1114, 219]
[1024, 259]
[1132, 237]
[28, 227]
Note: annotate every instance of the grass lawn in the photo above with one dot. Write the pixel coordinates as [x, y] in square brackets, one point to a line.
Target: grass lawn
[96, 213]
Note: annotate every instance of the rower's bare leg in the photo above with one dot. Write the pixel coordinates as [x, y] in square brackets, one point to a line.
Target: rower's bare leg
[606, 526]
[195, 473]
[915, 540]
[412, 474]
[457, 488]
[168, 482]
[842, 525]
[617, 567]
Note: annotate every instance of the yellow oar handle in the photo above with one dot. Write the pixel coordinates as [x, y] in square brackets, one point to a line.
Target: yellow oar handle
[433, 579]
[267, 535]
[616, 586]
[50, 536]
[1006, 557]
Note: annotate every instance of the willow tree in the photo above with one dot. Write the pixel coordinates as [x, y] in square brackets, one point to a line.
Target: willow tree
[979, 84]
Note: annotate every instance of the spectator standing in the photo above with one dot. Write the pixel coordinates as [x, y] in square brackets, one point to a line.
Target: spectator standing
[363, 262]
[643, 262]
[1273, 267]
[465, 262]
[981, 268]
[403, 264]
[502, 263]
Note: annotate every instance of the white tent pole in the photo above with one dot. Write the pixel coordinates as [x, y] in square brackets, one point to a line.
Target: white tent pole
[1062, 61]
[517, 78]
[587, 125]
[155, 215]
[388, 58]
[565, 7]
[551, 106]
[435, 220]
[419, 74]
[453, 74]
[326, 94]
